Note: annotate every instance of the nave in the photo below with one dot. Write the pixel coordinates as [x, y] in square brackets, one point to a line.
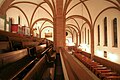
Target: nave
[35, 59]
[59, 40]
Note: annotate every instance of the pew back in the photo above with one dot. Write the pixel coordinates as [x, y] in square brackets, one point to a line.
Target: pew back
[114, 66]
[29, 44]
[11, 57]
[37, 71]
[4, 46]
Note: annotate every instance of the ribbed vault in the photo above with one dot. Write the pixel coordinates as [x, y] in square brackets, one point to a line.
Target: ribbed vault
[76, 12]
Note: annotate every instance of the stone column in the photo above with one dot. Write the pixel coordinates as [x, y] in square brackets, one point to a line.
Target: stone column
[92, 43]
[59, 26]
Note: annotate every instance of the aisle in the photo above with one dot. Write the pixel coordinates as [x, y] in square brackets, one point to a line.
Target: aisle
[58, 69]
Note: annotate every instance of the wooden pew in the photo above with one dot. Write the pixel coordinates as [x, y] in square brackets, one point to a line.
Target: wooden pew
[39, 48]
[11, 57]
[31, 66]
[37, 71]
[103, 71]
[112, 78]
[51, 55]
[29, 44]
[5, 47]
[86, 54]
[113, 66]
[4, 44]
[16, 45]
[35, 52]
[11, 35]
[16, 41]
[86, 61]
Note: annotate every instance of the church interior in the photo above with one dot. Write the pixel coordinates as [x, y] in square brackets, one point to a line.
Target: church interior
[59, 40]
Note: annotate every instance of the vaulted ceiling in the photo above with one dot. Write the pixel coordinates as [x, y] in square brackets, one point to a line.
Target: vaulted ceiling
[4, 4]
[77, 12]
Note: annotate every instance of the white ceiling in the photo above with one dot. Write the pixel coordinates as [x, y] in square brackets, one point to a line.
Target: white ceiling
[1, 2]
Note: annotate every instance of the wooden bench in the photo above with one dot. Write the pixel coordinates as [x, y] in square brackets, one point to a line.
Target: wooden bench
[98, 68]
[113, 66]
[39, 50]
[4, 46]
[3, 38]
[29, 44]
[25, 70]
[112, 78]
[11, 57]
[37, 71]
[16, 45]
[51, 55]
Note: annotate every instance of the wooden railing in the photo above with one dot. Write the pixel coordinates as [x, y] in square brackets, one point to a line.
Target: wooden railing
[72, 70]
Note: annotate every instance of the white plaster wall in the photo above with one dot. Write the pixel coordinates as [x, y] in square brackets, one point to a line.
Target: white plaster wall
[110, 14]
[28, 10]
[95, 7]
[1, 24]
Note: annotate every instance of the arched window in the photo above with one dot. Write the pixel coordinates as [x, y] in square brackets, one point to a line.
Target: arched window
[98, 35]
[115, 41]
[85, 35]
[105, 31]
[88, 36]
